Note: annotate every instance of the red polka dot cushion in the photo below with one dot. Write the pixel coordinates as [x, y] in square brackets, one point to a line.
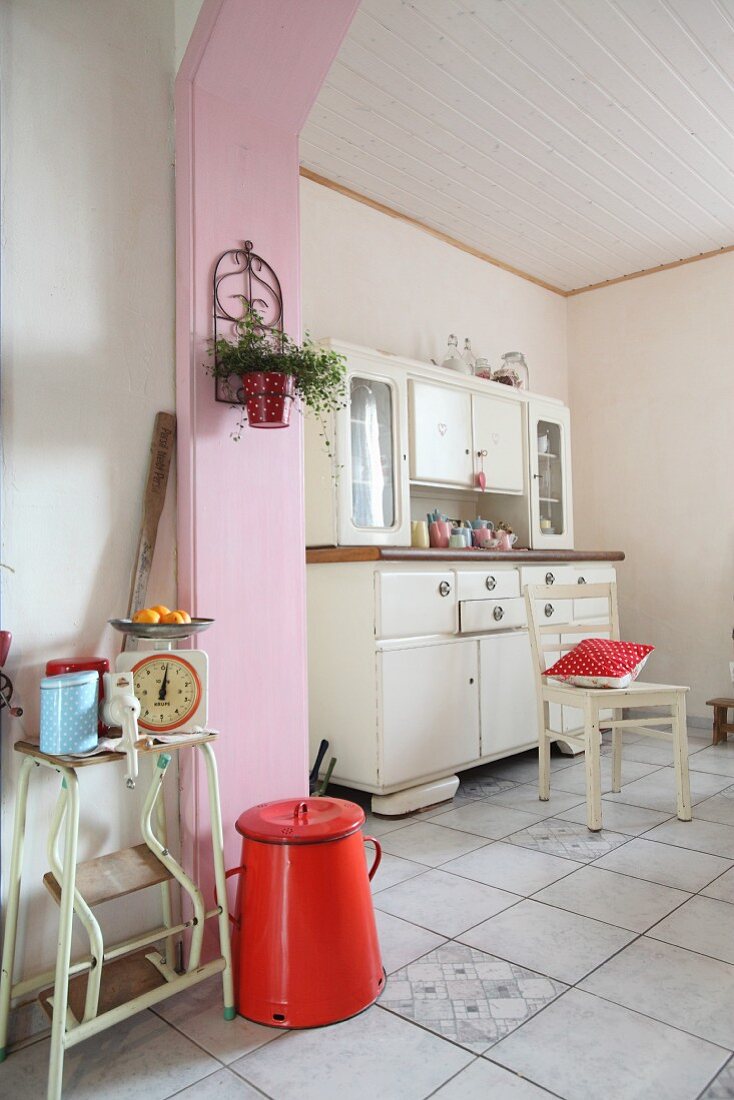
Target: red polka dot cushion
[601, 663]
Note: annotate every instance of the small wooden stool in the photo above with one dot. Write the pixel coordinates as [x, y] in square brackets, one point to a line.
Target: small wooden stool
[721, 724]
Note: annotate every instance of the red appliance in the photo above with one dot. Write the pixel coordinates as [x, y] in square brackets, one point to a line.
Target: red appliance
[61, 665]
[305, 947]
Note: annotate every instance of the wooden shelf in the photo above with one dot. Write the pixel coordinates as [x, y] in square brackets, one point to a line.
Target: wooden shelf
[113, 875]
[27, 748]
[122, 980]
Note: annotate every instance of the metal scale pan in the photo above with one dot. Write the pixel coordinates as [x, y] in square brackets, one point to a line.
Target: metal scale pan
[161, 632]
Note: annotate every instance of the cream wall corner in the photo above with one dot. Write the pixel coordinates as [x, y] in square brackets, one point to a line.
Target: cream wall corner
[652, 400]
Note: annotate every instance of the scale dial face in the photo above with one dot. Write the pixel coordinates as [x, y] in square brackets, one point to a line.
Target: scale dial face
[168, 689]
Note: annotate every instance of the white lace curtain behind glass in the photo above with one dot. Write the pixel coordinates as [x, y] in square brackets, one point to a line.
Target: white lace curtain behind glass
[372, 504]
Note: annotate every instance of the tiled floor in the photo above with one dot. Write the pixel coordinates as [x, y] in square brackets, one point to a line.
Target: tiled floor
[527, 958]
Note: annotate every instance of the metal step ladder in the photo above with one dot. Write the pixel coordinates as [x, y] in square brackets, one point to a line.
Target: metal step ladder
[114, 982]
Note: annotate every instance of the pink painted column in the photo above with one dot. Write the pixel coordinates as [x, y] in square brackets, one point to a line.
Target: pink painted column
[247, 82]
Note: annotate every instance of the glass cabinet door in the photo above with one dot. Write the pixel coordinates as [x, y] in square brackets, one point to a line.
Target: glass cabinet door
[551, 478]
[372, 453]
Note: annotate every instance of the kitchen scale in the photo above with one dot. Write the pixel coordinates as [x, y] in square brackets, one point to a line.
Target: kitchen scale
[159, 692]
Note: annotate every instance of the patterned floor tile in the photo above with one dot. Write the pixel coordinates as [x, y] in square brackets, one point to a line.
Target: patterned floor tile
[468, 996]
[481, 784]
[569, 839]
[722, 1086]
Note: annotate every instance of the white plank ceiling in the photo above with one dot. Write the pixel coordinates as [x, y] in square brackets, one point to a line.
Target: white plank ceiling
[577, 140]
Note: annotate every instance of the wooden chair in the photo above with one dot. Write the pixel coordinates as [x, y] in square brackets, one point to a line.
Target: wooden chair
[558, 638]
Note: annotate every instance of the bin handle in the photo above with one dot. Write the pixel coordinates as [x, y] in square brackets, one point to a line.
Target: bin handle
[228, 874]
[378, 855]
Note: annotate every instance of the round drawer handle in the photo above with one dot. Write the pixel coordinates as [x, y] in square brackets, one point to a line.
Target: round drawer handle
[444, 588]
[550, 578]
[549, 609]
[498, 613]
[581, 580]
[491, 583]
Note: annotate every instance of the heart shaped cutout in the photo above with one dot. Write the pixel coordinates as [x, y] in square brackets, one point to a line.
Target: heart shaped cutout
[442, 429]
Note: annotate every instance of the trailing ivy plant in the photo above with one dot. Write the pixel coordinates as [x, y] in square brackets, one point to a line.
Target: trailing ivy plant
[319, 374]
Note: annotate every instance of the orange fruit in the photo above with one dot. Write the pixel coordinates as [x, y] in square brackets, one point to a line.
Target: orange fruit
[161, 609]
[184, 614]
[147, 615]
[173, 617]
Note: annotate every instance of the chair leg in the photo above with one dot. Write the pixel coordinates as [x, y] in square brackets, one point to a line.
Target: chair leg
[544, 747]
[616, 756]
[593, 766]
[680, 758]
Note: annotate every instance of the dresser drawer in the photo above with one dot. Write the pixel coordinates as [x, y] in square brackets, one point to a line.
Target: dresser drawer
[584, 610]
[412, 604]
[479, 616]
[547, 574]
[490, 585]
[554, 611]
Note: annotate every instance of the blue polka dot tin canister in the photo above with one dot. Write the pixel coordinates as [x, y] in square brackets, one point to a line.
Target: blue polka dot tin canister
[69, 713]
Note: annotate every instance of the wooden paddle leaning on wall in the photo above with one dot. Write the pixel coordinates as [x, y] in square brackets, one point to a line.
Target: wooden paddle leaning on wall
[161, 453]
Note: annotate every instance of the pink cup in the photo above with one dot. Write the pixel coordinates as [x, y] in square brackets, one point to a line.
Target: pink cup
[482, 536]
[439, 534]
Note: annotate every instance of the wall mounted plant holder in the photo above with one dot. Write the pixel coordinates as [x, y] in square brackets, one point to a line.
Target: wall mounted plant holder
[244, 283]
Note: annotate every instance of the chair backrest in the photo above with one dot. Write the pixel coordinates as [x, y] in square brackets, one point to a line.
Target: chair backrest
[558, 638]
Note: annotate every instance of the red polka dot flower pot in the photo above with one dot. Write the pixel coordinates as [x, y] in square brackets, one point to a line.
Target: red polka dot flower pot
[268, 398]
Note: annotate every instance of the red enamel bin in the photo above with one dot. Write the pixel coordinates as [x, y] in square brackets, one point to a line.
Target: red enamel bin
[305, 947]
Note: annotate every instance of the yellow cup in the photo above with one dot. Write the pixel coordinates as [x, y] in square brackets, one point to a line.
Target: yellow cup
[419, 534]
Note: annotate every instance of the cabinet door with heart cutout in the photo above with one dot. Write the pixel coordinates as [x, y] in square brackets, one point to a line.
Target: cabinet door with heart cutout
[440, 435]
[498, 442]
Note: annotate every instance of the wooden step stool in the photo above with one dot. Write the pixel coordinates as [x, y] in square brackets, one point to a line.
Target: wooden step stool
[721, 714]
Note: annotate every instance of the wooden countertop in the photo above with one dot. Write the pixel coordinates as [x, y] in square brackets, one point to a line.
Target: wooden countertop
[319, 555]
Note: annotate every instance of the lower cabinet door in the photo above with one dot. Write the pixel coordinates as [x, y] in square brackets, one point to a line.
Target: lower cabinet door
[507, 693]
[430, 710]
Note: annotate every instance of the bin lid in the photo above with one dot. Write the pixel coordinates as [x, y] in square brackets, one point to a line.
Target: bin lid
[300, 820]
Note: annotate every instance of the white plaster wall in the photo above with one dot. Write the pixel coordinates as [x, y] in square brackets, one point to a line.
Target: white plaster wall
[374, 280]
[87, 359]
[652, 402]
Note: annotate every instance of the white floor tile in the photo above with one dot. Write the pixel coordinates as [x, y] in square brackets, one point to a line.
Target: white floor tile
[722, 1087]
[198, 1013]
[430, 844]
[550, 941]
[648, 750]
[663, 863]
[676, 986]
[443, 903]
[719, 808]
[142, 1057]
[697, 835]
[489, 820]
[630, 820]
[402, 942]
[702, 924]
[722, 888]
[524, 796]
[573, 780]
[375, 1055]
[617, 899]
[392, 869]
[223, 1085]
[657, 790]
[483, 1080]
[582, 1047]
[717, 759]
[375, 825]
[510, 867]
